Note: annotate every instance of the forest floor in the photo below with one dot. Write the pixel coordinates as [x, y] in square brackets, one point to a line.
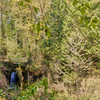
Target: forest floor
[90, 89]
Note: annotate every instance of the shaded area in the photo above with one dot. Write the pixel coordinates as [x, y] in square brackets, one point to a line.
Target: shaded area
[6, 69]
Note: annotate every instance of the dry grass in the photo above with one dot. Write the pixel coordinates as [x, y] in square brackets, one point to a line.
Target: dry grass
[88, 89]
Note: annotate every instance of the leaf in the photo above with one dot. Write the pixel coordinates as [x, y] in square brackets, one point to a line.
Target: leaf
[95, 20]
[93, 25]
[25, 5]
[33, 88]
[21, 3]
[87, 5]
[23, 98]
[82, 19]
[36, 9]
[48, 34]
[82, 10]
[87, 23]
[28, 0]
[75, 2]
[86, 20]
[39, 86]
[62, 6]
[64, 1]
[78, 8]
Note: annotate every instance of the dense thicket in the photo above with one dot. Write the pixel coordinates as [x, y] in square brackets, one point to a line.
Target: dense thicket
[58, 34]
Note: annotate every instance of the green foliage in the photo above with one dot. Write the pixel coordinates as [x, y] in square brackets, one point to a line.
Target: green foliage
[1, 94]
[36, 9]
[21, 3]
[75, 2]
[98, 65]
[33, 89]
[28, 0]
[57, 34]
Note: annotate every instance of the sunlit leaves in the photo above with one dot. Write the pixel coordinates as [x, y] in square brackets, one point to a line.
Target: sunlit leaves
[81, 19]
[85, 8]
[47, 31]
[87, 5]
[85, 20]
[93, 25]
[36, 9]
[33, 89]
[95, 20]
[28, 0]
[82, 10]
[21, 3]
[75, 2]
